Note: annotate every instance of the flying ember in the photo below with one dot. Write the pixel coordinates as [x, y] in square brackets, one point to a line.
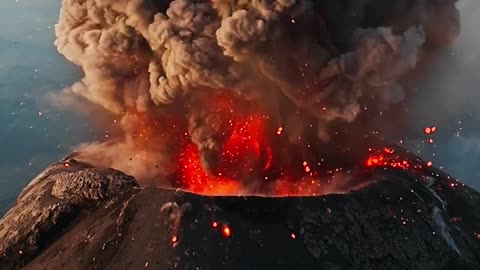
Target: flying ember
[226, 231]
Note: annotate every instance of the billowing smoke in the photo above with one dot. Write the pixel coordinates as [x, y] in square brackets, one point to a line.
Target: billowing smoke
[253, 84]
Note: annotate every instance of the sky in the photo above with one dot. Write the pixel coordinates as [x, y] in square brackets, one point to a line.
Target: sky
[36, 133]
[449, 98]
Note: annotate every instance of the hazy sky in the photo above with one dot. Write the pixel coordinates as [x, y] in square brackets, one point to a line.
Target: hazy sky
[33, 134]
[450, 99]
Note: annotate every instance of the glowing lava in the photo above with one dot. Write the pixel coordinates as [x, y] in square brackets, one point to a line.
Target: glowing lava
[246, 144]
[251, 158]
[241, 154]
[195, 179]
[388, 159]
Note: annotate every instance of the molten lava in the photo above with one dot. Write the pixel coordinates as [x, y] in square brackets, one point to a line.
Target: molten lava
[247, 145]
[254, 158]
[195, 179]
[388, 159]
[245, 151]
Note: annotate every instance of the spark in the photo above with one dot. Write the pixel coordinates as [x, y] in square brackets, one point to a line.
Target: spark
[429, 164]
[226, 231]
[215, 225]
[293, 236]
[389, 150]
[430, 130]
[280, 131]
[387, 159]
[174, 240]
[306, 167]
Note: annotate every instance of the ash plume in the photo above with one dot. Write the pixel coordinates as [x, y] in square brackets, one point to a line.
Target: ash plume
[310, 67]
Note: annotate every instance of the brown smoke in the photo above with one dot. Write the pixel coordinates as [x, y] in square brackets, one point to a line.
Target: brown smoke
[311, 67]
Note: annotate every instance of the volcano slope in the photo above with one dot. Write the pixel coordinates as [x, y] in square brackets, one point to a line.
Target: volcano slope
[76, 216]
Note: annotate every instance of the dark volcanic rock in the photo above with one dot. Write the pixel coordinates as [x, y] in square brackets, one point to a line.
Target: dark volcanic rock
[50, 203]
[403, 221]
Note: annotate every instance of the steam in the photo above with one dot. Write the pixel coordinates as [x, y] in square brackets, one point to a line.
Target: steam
[305, 65]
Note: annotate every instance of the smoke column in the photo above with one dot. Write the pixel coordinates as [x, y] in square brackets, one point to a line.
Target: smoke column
[448, 98]
[252, 89]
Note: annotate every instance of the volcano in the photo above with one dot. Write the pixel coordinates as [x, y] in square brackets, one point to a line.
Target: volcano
[255, 133]
[407, 217]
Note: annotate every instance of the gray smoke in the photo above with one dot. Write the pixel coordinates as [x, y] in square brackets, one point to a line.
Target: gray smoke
[306, 63]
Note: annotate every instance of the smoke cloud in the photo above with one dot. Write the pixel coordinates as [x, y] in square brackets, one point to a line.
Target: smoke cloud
[204, 71]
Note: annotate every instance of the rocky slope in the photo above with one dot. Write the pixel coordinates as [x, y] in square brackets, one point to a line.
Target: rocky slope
[78, 217]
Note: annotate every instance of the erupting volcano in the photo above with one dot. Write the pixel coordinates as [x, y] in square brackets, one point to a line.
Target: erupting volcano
[248, 134]
[265, 97]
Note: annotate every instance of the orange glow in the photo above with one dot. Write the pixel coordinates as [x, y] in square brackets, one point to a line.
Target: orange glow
[389, 150]
[174, 240]
[375, 161]
[430, 130]
[304, 187]
[242, 152]
[245, 140]
[387, 158]
[226, 231]
[195, 179]
[245, 153]
[269, 158]
[280, 131]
